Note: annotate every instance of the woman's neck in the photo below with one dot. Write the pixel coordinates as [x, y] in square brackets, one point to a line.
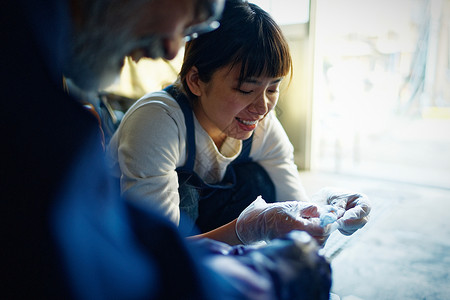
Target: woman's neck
[219, 140]
[217, 135]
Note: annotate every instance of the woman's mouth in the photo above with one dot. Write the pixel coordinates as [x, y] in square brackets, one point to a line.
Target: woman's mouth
[247, 125]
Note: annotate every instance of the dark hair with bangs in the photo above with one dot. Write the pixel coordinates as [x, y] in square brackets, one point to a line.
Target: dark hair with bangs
[247, 36]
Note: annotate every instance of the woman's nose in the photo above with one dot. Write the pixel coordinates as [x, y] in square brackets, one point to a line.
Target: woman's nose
[260, 105]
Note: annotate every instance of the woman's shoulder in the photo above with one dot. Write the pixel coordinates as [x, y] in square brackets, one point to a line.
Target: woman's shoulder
[269, 135]
[153, 105]
[155, 100]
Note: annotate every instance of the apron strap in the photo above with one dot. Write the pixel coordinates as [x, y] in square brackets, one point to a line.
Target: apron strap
[244, 156]
[183, 102]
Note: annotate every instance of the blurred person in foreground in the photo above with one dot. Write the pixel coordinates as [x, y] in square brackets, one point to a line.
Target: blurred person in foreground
[66, 233]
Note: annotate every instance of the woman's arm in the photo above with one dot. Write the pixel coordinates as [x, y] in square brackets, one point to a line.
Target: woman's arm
[262, 221]
[147, 147]
[225, 233]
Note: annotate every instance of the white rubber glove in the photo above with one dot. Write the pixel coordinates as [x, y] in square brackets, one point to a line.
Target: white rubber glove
[262, 221]
[352, 209]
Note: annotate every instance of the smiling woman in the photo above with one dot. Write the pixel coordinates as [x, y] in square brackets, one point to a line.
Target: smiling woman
[205, 148]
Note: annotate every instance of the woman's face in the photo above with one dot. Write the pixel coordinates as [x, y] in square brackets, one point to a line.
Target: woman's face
[226, 109]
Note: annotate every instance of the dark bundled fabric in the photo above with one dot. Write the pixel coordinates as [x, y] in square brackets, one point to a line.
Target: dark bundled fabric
[291, 263]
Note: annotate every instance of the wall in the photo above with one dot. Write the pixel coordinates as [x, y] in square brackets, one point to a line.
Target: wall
[294, 108]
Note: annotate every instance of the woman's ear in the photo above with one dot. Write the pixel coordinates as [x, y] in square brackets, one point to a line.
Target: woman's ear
[193, 81]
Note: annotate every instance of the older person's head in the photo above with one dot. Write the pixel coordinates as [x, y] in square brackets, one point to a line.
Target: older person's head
[105, 31]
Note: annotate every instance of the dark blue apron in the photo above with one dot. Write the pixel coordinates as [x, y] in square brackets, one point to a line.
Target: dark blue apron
[212, 205]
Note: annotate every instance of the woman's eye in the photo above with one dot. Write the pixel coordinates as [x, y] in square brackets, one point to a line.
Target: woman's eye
[245, 92]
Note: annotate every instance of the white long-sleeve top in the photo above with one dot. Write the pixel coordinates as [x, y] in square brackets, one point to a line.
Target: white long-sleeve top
[150, 144]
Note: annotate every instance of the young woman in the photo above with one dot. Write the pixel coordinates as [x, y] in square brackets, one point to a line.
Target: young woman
[205, 148]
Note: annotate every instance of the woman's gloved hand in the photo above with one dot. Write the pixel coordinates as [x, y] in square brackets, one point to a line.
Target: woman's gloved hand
[352, 209]
[262, 221]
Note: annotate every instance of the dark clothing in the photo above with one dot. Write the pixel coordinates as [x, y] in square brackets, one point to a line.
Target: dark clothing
[65, 231]
[210, 206]
[216, 206]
